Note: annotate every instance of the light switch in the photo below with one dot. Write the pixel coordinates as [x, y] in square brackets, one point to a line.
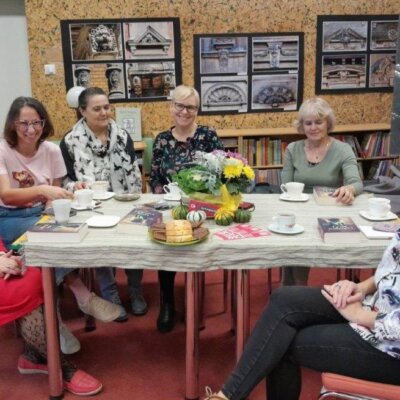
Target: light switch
[49, 69]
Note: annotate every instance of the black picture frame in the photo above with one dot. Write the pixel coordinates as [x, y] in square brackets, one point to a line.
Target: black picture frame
[355, 53]
[249, 72]
[132, 59]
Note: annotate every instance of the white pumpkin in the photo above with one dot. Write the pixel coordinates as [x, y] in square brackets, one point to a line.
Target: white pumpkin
[196, 216]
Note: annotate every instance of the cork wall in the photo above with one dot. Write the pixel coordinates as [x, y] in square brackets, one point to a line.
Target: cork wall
[199, 17]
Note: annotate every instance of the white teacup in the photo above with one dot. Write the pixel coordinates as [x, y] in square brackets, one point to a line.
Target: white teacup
[61, 208]
[378, 207]
[99, 188]
[84, 197]
[293, 189]
[172, 189]
[285, 221]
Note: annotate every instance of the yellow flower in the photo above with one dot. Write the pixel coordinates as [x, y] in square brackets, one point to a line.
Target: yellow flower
[248, 172]
[233, 170]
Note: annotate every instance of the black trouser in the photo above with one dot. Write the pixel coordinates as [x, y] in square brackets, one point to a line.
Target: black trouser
[300, 328]
[167, 282]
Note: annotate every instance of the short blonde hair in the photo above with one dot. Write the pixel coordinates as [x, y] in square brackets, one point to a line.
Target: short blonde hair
[182, 92]
[317, 108]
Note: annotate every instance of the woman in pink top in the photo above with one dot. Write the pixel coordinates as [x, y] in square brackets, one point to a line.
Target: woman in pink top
[31, 170]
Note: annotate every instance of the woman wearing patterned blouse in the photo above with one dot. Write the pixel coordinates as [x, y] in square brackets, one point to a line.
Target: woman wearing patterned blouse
[345, 328]
[173, 149]
[97, 149]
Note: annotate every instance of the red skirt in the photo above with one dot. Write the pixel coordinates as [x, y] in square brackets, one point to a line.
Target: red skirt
[19, 296]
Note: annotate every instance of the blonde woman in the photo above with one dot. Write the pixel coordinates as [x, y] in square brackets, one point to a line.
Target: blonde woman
[319, 160]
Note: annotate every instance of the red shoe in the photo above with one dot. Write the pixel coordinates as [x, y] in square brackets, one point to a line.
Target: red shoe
[83, 384]
[28, 367]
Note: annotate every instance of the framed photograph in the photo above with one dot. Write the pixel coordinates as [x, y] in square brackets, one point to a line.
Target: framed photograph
[249, 72]
[275, 53]
[381, 70]
[224, 93]
[129, 119]
[344, 36]
[224, 55]
[384, 35]
[274, 92]
[355, 53]
[131, 59]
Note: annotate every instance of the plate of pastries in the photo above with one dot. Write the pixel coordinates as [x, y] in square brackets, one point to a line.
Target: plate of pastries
[178, 233]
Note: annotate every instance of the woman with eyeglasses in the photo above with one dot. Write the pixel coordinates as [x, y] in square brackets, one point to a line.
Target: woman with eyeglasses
[172, 149]
[97, 149]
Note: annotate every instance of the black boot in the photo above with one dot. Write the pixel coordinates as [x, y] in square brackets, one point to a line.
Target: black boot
[166, 318]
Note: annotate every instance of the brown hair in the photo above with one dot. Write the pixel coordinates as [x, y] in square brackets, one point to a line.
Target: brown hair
[86, 94]
[10, 134]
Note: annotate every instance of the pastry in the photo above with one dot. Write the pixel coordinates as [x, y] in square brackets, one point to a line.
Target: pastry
[179, 231]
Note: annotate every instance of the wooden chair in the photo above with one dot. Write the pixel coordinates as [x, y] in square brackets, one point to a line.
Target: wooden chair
[342, 387]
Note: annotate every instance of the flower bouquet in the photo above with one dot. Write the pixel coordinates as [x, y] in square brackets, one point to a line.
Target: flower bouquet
[218, 178]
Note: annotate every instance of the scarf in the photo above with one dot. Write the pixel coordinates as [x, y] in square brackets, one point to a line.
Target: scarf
[94, 161]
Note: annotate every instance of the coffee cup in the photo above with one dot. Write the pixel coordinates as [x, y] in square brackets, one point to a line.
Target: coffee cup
[84, 197]
[61, 208]
[99, 188]
[284, 221]
[172, 189]
[292, 189]
[378, 207]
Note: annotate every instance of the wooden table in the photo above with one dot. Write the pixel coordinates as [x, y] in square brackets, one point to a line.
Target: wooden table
[106, 247]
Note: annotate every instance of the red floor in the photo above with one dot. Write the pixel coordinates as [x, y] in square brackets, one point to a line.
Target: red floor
[135, 361]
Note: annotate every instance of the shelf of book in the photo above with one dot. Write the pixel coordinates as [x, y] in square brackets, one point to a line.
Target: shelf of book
[265, 148]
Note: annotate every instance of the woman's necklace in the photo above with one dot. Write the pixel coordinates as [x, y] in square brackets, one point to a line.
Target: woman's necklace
[317, 153]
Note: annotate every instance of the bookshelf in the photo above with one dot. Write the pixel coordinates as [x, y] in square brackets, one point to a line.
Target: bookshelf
[264, 148]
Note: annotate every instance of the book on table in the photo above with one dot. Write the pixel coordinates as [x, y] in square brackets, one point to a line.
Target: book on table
[70, 232]
[323, 195]
[139, 219]
[18, 243]
[339, 230]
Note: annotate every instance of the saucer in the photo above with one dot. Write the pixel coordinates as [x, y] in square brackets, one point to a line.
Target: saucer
[301, 197]
[103, 221]
[170, 197]
[94, 204]
[365, 214]
[103, 196]
[296, 229]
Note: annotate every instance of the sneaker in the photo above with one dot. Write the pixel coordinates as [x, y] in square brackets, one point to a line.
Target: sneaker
[26, 366]
[68, 342]
[100, 309]
[139, 305]
[114, 298]
[83, 384]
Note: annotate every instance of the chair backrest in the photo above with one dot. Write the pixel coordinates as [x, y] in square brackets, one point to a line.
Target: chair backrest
[344, 387]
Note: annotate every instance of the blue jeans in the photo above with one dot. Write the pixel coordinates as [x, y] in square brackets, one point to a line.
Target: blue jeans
[300, 328]
[108, 285]
[16, 221]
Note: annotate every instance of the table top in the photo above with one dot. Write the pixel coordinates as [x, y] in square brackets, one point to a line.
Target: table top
[107, 247]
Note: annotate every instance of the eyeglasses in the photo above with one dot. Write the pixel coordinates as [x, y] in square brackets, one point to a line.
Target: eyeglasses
[37, 124]
[189, 109]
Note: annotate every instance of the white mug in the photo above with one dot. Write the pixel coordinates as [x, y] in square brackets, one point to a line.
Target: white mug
[284, 221]
[99, 187]
[292, 189]
[61, 208]
[84, 197]
[378, 207]
[172, 189]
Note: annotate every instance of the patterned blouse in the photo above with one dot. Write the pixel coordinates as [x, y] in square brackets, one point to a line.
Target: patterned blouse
[385, 335]
[171, 155]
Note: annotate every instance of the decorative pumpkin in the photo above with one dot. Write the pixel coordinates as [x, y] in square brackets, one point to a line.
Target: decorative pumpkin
[196, 216]
[242, 216]
[223, 217]
[180, 211]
